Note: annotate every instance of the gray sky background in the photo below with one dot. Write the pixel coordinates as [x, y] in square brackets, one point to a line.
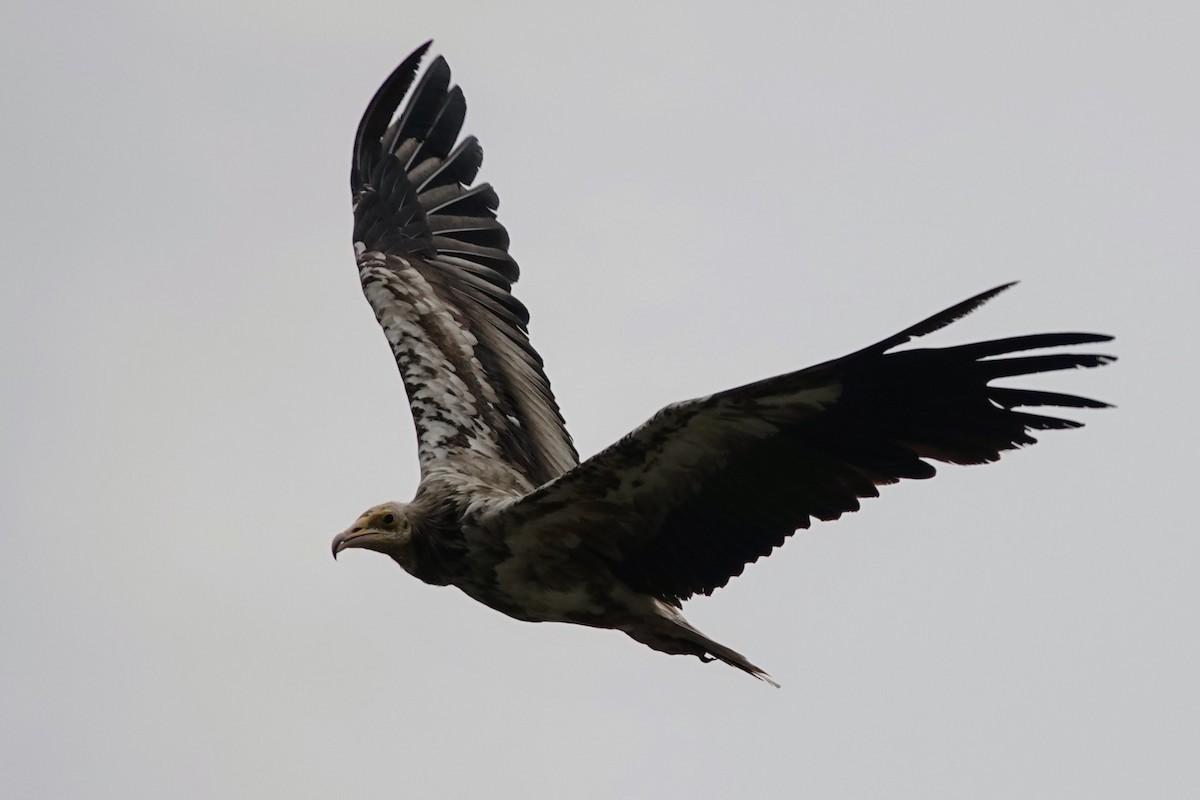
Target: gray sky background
[197, 397]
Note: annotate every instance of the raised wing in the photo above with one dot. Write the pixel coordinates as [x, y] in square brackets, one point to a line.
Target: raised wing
[683, 503]
[434, 265]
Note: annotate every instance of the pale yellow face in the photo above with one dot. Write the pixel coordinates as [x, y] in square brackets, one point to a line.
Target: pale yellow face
[384, 528]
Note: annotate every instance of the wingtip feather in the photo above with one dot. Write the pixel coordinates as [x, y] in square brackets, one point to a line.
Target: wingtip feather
[942, 318]
[383, 105]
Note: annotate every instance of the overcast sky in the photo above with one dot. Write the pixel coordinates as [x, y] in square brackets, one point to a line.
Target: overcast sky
[196, 397]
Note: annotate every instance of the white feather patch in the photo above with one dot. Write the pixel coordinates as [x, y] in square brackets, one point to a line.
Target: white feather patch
[409, 311]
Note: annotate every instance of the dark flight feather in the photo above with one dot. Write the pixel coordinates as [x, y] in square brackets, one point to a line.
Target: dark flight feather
[725, 479]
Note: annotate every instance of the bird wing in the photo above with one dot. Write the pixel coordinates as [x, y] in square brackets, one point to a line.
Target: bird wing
[435, 267]
[681, 505]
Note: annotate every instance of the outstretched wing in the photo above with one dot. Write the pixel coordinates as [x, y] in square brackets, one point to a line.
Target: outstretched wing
[683, 503]
[434, 265]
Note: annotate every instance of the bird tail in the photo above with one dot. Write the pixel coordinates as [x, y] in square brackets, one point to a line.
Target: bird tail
[730, 657]
[669, 632]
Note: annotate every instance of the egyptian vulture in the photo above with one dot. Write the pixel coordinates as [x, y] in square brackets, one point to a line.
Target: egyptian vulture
[504, 509]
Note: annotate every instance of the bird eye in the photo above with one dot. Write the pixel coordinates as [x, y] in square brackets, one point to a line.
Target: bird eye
[388, 519]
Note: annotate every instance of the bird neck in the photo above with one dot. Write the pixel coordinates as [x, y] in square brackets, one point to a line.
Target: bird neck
[435, 551]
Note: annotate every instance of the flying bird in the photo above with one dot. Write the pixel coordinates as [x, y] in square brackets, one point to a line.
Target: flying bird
[506, 512]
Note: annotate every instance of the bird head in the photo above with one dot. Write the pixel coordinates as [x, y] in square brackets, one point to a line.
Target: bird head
[384, 528]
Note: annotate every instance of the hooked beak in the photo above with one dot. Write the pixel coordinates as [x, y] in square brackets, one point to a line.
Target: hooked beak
[345, 540]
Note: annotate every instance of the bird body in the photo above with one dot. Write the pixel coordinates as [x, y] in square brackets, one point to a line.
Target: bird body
[507, 513]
